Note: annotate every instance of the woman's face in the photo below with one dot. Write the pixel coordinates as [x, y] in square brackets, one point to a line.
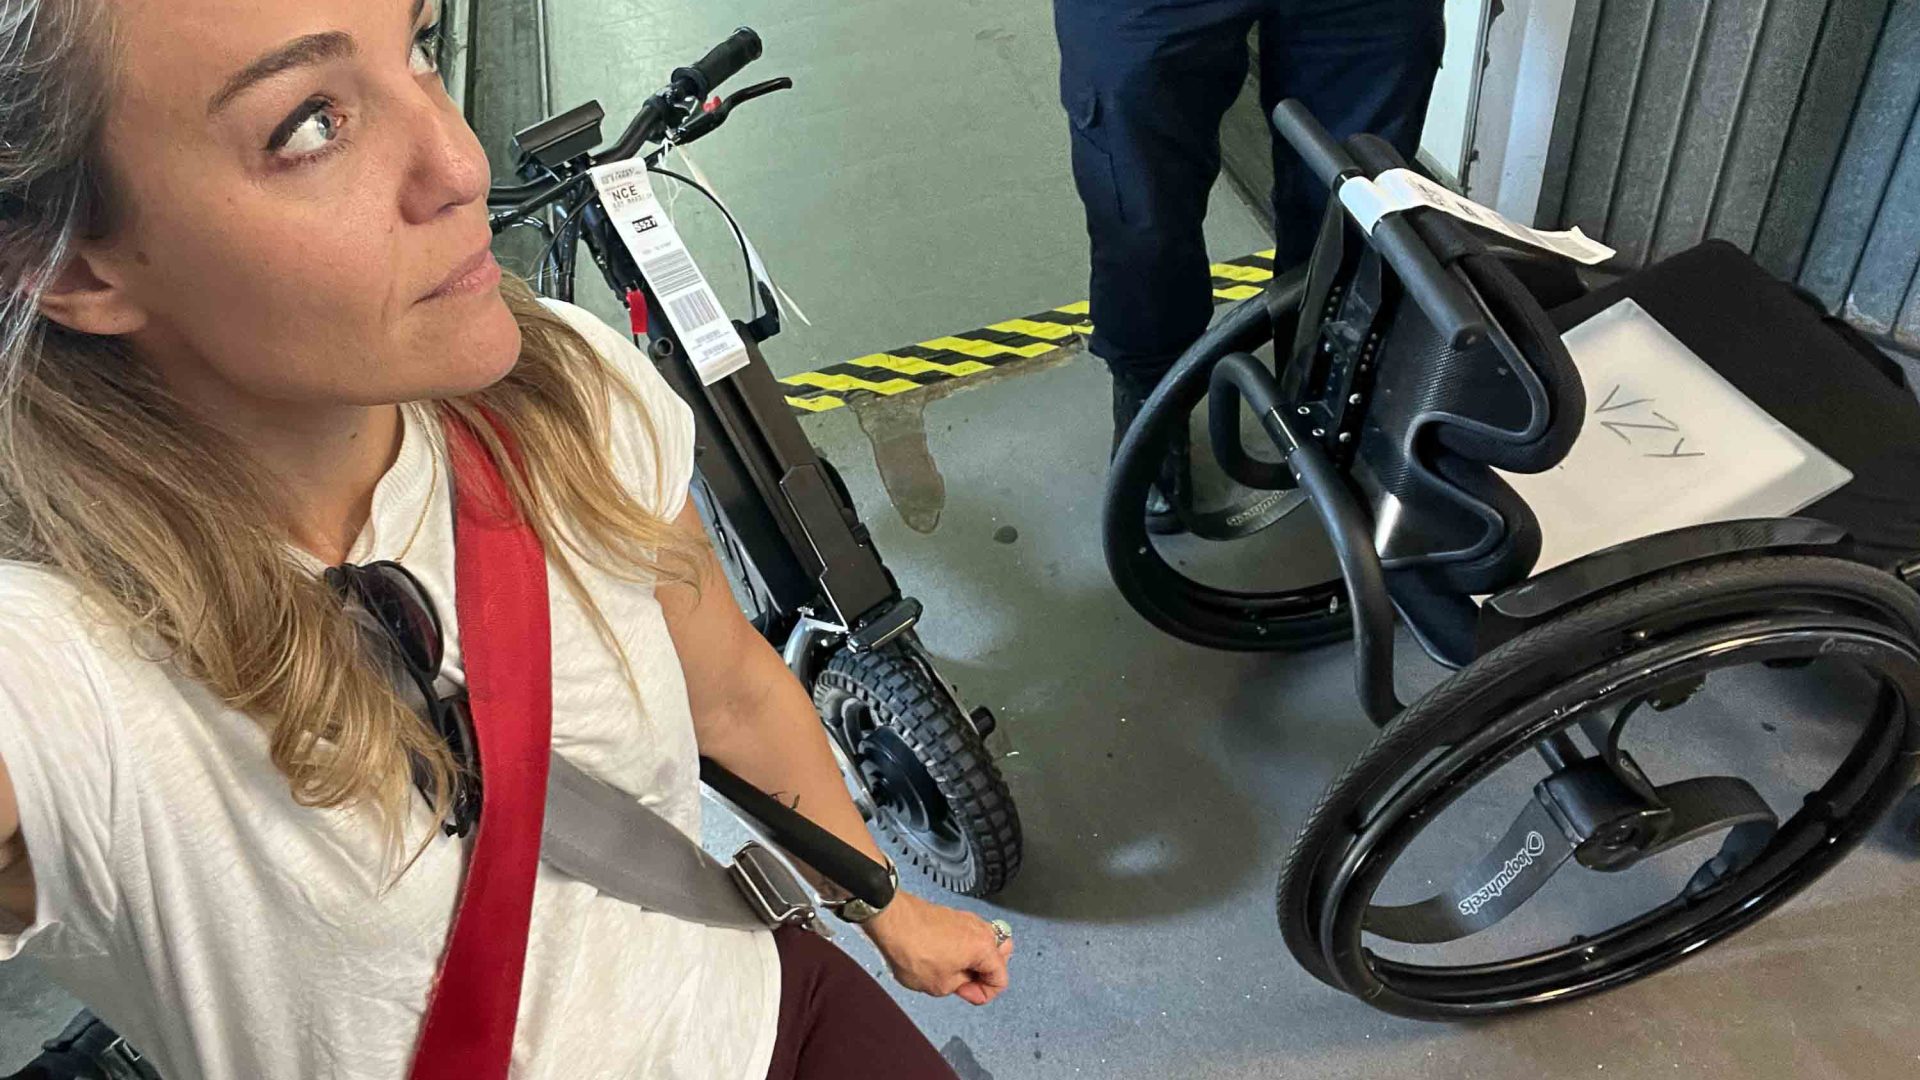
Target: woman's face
[301, 207]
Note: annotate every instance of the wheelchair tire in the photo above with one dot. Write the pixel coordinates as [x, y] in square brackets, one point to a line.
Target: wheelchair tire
[1498, 704]
[939, 797]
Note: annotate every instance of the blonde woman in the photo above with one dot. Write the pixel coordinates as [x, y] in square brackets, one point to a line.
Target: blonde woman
[243, 278]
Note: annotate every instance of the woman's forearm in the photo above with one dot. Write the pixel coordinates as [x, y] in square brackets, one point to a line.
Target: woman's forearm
[773, 739]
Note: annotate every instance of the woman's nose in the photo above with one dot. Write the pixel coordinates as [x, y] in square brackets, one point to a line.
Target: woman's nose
[448, 167]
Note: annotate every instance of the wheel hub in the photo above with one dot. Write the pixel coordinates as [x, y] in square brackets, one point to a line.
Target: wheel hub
[898, 781]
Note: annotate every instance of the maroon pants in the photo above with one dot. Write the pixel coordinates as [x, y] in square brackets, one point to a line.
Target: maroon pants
[836, 1023]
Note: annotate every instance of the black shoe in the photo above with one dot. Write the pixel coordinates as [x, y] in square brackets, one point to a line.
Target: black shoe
[1176, 470]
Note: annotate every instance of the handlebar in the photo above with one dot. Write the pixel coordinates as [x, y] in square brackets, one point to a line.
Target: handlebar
[1445, 301]
[686, 89]
[721, 63]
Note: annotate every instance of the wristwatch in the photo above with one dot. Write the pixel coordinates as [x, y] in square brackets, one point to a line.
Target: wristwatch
[854, 910]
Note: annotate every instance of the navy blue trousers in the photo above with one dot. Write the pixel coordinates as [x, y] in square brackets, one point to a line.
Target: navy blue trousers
[1146, 83]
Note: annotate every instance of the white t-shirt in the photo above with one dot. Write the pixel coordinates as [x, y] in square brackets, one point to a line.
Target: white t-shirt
[231, 934]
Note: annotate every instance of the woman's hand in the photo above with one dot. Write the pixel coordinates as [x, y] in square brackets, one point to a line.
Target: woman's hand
[939, 951]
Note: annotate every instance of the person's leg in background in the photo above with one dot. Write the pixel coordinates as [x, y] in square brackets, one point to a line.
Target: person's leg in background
[836, 1023]
[1359, 66]
[1145, 84]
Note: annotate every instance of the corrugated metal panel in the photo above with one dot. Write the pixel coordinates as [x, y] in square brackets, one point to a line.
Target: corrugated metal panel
[1787, 127]
[1866, 246]
[1829, 86]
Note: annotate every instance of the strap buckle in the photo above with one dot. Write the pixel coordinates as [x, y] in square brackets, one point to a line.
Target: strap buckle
[773, 891]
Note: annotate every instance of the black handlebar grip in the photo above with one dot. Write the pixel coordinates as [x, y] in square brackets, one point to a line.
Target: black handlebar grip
[1324, 157]
[721, 63]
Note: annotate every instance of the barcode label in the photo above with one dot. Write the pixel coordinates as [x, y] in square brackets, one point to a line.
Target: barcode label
[694, 309]
[707, 338]
[673, 272]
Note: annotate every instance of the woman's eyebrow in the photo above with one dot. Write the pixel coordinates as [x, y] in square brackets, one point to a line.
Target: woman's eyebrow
[300, 52]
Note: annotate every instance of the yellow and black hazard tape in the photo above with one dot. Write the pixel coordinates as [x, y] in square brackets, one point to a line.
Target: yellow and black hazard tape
[976, 352]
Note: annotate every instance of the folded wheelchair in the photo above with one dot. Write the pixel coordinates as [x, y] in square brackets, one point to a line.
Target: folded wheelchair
[1575, 754]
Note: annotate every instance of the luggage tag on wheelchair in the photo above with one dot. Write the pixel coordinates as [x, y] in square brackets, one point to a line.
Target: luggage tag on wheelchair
[691, 306]
[1398, 190]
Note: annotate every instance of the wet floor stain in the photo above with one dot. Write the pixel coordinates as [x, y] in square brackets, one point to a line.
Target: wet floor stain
[896, 427]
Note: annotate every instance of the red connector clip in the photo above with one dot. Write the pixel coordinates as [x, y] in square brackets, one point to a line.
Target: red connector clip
[637, 311]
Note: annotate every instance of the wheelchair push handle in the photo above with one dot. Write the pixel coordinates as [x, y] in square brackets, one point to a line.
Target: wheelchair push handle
[1325, 158]
[1447, 304]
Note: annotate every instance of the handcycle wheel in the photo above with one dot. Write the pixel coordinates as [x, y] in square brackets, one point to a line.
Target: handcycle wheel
[937, 794]
[1676, 627]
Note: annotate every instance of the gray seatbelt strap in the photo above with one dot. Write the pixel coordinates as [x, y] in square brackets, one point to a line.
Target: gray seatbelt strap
[600, 835]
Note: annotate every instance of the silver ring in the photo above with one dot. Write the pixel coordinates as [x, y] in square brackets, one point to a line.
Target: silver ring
[1002, 933]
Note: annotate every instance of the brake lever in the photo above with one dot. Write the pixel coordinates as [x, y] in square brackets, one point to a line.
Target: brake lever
[759, 89]
[717, 110]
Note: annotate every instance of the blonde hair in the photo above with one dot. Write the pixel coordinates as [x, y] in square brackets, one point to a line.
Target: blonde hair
[167, 526]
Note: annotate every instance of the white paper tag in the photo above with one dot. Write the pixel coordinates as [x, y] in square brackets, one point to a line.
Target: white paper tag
[691, 306]
[1667, 443]
[1397, 190]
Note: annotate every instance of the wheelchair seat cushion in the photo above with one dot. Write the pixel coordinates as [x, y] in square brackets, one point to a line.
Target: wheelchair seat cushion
[1811, 372]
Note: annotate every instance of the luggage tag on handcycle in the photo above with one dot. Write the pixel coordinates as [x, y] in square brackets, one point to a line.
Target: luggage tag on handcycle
[1398, 190]
[691, 306]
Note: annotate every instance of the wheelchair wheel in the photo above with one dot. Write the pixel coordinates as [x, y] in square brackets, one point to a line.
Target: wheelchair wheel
[1243, 620]
[1652, 642]
[936, 792]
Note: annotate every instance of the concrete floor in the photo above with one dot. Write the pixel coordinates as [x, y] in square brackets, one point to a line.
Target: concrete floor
[1160, 785]
[916, 183]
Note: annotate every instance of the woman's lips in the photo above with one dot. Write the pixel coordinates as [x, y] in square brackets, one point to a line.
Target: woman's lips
[478, 274]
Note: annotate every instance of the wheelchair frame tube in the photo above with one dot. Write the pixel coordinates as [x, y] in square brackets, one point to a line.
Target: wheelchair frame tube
[1447, 304]
[1347, 529]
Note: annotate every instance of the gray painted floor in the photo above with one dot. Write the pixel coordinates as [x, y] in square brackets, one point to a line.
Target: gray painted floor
[1160, 784]
[916, 183]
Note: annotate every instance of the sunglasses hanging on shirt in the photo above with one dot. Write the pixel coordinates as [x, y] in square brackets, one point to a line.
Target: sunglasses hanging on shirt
[393, 609]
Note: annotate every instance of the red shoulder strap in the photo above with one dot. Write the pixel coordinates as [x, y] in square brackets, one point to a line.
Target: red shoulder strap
[501, 589]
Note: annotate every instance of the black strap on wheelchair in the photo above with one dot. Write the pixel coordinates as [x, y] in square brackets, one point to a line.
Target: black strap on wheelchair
[1575, 814]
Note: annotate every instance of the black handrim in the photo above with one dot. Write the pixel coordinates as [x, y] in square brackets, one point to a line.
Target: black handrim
[1861, 789]
[1188, 609]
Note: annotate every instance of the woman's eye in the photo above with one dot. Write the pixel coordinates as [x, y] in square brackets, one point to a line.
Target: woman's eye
[309, 131]
[426, 49]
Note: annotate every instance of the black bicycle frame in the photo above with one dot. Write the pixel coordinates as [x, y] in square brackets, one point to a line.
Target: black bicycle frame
[766, 485]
